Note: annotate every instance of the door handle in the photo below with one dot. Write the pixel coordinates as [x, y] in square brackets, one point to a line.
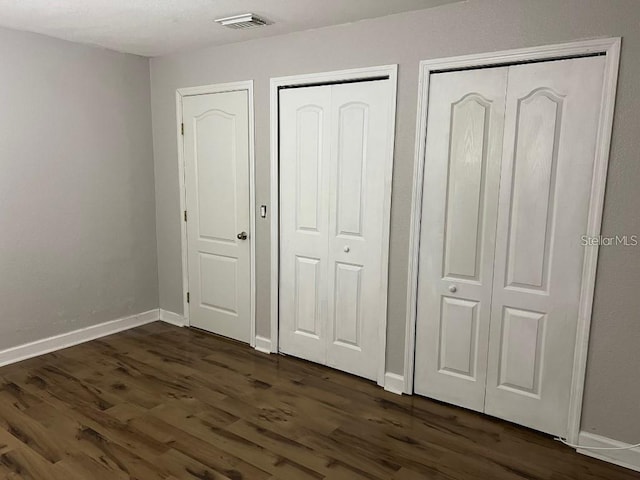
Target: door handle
[242, 236]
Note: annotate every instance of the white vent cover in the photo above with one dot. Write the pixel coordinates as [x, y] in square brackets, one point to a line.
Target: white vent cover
[246, 20]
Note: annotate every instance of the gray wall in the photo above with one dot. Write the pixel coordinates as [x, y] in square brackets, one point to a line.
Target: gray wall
[77, 207]
[612, 405]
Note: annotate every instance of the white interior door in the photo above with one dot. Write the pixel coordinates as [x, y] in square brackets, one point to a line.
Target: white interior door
[508, 176]
[336, 146]
[460, 200]
[216, 155]
[553, 110]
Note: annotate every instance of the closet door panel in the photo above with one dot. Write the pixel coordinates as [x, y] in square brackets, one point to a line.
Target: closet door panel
[460, 198]
[361, 146]
[304, 220]
[552, 115]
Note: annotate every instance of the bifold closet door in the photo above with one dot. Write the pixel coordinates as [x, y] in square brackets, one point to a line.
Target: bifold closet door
[460, 201]
[216, 156]
[335, 145]
[551, 124]
[500, 255]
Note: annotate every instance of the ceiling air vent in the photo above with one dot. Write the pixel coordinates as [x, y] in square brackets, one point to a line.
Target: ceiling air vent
[246, 20]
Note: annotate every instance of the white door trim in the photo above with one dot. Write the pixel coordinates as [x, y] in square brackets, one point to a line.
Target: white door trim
[369, 73]
[611, 48]
[204, 90]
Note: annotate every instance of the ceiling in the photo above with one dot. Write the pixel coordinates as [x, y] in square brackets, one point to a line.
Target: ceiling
[158, 27]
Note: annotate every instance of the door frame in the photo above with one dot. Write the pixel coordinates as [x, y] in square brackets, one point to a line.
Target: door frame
[610, 47]
[335, 77]
[206, 90]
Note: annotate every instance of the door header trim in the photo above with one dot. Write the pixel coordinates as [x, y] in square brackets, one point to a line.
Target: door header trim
[216, 88]
[338, 82]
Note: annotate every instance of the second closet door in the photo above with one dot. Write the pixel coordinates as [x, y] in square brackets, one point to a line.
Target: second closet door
[334, 159]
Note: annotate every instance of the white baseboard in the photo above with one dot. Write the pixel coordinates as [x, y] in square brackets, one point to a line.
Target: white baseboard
[263, 344]
[394, 383]
[58, 342]
[629, 458]
[172, 318]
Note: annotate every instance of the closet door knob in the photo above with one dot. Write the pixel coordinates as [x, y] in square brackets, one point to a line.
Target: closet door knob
[242, 236]
[346, 249]
[453, 288]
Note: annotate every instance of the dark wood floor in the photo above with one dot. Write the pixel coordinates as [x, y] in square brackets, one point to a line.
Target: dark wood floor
[160, 402]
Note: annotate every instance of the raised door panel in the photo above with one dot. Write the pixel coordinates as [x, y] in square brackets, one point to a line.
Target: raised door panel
[218, 283]
[552, 116]
[521, 351]
[458, 338]
[308, 167]
[216, 153]
[465, 185]
[304, 221]
[347, 316]
[462, 172]
[307, 298]
[533, 185]
[352, 161]
[215, 165]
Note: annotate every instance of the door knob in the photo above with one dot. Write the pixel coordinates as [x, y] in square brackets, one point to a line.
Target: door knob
[242, 236]
[453, 288]
[346, 249]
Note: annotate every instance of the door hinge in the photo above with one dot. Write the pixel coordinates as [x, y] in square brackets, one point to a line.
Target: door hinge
[185, 215]
[182, 128]
[188, 297]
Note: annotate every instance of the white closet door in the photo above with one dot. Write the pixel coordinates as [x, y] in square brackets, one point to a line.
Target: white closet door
[553, 109]
[460, 198]
[361, 117]
[216, 152]
[335, 152]
[305, 116]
